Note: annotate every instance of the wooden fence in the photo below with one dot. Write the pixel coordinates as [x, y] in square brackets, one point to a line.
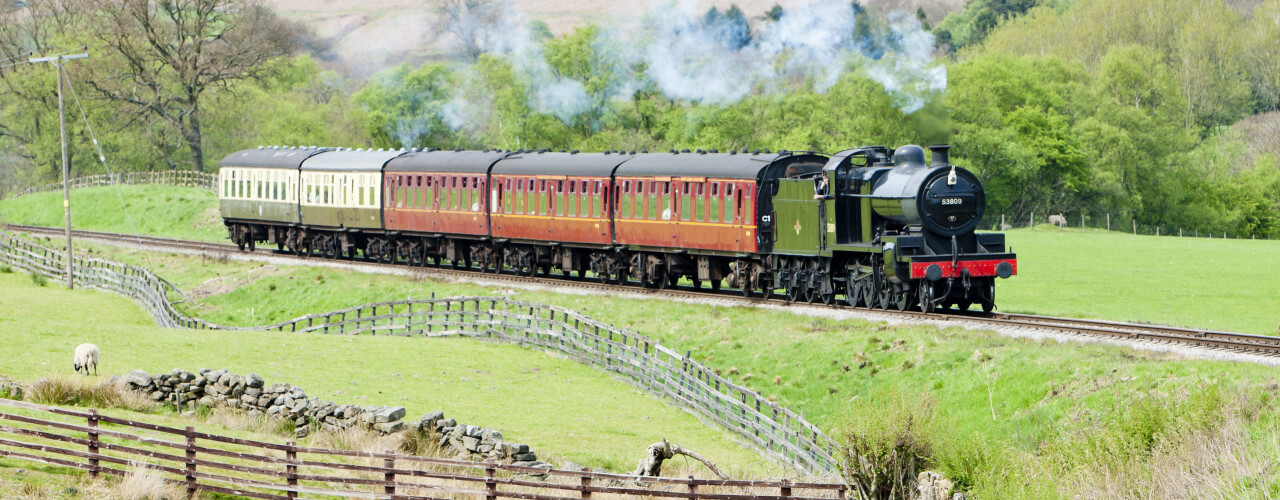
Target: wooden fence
[766, 426]
[188, 178]
[200, 461]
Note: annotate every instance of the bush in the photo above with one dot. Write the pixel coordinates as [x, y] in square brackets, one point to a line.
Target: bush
[886, 444]
[39, 279]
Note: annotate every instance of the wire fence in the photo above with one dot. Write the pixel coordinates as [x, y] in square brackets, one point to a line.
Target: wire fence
[1103, 221]
[643, 362]
[211, 463]
[187, 178]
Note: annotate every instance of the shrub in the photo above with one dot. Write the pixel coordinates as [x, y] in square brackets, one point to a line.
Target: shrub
[39, 279]
[886, 444]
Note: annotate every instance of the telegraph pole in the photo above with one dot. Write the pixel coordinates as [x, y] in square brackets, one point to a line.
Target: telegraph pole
[59, 62]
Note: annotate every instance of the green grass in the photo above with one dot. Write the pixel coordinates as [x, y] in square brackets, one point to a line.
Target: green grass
[550, 403]
[1001, 396]
[1196, 282]
[176, 212]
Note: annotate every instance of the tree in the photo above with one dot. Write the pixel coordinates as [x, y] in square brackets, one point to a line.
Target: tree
[476, 24]
[168, 56]
[774, 13]
[28, 103]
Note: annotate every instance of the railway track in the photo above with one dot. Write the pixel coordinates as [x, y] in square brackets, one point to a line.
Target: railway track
[1131, 332]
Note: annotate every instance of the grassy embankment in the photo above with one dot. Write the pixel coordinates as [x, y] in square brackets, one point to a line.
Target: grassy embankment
[1006, 411]
[174, 212]
[529, 396]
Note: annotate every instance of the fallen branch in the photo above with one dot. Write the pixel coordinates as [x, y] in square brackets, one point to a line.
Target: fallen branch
[651, 465]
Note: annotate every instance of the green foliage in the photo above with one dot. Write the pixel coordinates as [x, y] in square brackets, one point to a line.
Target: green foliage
[1198, 40]
[407, 107]
[972, 25]
[774, 13]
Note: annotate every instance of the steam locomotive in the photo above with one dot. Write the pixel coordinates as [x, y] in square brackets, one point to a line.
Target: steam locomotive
[874, 226]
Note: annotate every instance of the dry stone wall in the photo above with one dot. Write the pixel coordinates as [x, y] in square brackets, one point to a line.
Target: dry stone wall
[250, 393]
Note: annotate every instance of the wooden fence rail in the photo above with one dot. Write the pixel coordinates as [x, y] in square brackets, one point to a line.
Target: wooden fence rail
[766, 426]
[188, 178]
[199, 461]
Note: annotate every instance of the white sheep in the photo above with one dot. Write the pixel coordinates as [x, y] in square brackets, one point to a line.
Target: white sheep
[87, 355]
[1058, 220]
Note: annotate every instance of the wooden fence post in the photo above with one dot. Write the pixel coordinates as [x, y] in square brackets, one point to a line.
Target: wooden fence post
[191, 462]
[490, 485]
[586, 483]
[693, 487]
[93, 443]
[786, 487]
[291, 469]
[389, 476]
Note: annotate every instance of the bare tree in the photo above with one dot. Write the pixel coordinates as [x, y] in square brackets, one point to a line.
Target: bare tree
[174, 52]
[475, 24]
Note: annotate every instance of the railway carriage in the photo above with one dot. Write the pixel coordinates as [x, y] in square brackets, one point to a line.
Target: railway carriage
[436, 206]
[258, 195]
[701, 215]
[340, 200]
[553, 209]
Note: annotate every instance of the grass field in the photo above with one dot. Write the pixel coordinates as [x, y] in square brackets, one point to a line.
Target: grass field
[531, 397]
[176, 212]
[1207, 283]
[1010, 418]
[1017, 397]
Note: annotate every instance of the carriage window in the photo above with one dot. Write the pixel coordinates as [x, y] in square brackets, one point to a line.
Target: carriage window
[596, 201]
[627, 199]
[560, 198]
[685, 201]
[651, 201]
[666, 201]
[520, 196]
[728, 202]
[737, 213]
[572, 209]
[506, 196]
[543, 198]
[700, 203]
[468, 188]
[714, 214]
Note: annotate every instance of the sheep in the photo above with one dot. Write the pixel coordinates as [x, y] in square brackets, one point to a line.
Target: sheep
[87, 355]
[1058, 220]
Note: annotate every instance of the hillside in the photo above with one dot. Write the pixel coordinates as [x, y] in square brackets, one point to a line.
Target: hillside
[381, 33]
[1005, 417]
[474, 382]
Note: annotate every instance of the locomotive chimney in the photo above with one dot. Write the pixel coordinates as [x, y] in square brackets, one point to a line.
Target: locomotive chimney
[940, 154]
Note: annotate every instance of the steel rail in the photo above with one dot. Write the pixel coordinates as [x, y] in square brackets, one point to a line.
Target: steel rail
[1136, 332]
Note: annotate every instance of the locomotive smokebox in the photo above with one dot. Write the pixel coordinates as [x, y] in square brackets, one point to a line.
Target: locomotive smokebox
[941, 155]
[915, 195]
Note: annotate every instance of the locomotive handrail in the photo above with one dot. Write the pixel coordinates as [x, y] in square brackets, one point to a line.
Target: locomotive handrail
[641, 361]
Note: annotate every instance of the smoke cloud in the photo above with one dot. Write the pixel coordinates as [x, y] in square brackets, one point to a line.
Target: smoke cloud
[699, 59]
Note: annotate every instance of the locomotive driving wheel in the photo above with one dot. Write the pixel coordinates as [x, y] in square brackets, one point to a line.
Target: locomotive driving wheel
[925, 297]
[901, 298]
